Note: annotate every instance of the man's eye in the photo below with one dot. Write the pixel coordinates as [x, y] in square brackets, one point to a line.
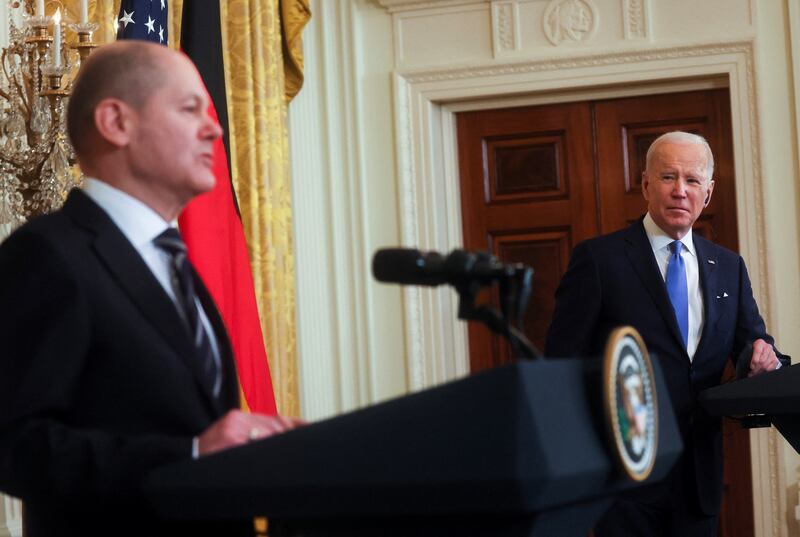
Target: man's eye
[667, 177]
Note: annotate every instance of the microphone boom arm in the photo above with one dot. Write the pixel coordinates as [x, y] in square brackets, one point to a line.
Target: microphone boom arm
[515, 291]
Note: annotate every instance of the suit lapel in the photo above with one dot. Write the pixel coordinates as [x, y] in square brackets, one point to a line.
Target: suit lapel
[707, 262]
[640, 255]
[136, 280]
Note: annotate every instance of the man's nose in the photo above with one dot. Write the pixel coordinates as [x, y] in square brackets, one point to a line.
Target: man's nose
[679, 187]
[212, 129]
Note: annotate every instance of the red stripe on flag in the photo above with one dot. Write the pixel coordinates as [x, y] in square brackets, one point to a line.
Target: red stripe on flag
[215, 239]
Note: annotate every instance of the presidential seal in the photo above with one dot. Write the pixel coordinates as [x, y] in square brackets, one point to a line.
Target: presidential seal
[631, 408]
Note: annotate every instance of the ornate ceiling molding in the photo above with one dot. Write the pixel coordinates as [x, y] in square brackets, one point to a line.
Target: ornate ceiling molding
[559, 63]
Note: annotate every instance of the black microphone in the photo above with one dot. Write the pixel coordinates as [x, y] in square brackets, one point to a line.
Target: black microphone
[412, 267]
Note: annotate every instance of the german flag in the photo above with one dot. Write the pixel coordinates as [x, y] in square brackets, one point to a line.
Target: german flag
[211, 224]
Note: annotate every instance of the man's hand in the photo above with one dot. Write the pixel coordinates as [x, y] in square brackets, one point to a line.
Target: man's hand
[236, 428]
[763, 358]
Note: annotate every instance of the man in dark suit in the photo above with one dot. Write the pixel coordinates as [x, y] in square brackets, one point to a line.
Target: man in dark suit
[692, 302]
[115, 360]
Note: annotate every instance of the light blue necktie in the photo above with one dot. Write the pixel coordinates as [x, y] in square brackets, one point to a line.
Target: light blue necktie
[677, 289]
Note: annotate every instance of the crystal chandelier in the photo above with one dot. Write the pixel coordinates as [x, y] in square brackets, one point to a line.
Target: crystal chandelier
[36, 158]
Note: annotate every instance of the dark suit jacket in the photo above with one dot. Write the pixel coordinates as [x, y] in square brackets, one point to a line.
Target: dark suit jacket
[98, 378]
[614, 280]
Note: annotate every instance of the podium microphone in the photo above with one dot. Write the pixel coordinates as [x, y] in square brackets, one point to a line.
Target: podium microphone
[468, 273]
[411, 267]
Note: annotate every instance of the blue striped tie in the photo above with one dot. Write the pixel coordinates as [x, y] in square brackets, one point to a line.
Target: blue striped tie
[678, 290]
[183, 283]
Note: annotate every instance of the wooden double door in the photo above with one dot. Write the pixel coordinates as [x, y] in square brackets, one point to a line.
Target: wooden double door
[537, 180]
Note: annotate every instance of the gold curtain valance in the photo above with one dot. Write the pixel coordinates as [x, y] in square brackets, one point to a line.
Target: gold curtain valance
[295, 14]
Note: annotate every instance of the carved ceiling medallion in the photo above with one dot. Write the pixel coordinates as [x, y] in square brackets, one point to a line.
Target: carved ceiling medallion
[570, 20]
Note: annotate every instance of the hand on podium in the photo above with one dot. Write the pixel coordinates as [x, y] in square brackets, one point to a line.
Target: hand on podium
[236, 428]
[763, 358]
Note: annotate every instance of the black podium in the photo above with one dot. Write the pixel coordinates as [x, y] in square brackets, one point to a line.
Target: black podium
[772, 397]
[518, 450]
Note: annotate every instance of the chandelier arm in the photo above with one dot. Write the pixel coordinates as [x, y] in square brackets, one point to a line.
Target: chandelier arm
[26, 97]
[4, 60]
[9, 159]
[15, 81]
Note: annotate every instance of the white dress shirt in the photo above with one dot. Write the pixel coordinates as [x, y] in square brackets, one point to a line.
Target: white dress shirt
[659, 242]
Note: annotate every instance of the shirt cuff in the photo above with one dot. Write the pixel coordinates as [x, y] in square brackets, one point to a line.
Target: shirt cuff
[195, 448]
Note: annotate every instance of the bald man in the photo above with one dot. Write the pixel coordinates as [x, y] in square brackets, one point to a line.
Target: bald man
[115, 358]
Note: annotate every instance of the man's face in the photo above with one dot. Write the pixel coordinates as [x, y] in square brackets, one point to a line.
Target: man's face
[172, 147]
[676, 187]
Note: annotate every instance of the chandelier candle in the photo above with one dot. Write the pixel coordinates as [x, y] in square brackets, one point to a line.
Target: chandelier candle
[84, 11]
[57, 39]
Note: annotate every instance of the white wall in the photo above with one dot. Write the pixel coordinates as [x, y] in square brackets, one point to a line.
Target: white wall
[350, 334]
[777, 86]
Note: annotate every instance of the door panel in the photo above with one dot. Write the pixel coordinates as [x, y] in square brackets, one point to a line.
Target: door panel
[528, 190]
[546, 249]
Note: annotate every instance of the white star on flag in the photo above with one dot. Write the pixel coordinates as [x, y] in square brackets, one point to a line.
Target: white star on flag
[163, 4]
[151, 24]
[127, 18]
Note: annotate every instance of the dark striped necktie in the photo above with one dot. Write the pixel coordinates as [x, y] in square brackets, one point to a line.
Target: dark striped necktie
[183, 284]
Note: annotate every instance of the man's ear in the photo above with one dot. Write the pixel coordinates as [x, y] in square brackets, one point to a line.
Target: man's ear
[645, 184]
[708, 194]
[113, 120]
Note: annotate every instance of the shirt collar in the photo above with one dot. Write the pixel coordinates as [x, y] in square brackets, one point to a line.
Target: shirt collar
[138, 222]
[659, 239]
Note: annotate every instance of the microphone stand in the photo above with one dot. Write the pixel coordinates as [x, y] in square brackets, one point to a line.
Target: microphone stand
[515, 291]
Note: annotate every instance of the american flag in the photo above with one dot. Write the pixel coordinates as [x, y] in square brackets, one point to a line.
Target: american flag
[143, 19]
